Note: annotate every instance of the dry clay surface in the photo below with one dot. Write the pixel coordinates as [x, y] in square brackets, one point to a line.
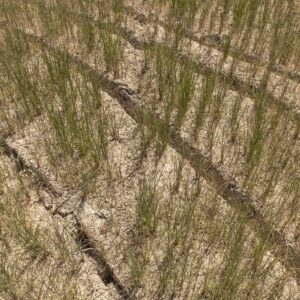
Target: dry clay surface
[108, 214]
[61, 264]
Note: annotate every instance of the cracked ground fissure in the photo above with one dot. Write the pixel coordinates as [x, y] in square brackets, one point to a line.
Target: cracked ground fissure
[242, 203]
[83, 239]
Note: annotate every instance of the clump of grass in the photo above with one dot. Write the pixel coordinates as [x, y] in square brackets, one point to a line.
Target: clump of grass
[146, 211]
[232, 276]
[215, 114]
[78, 121]
[186, 87]
[34, 255]
[183, 219]
[154, 129]
[192, 245]
[175, 84]
[181, 16]
[205, 98]
[112, 53]
[234, 124]
[118, 9]
[257, 135]
[14, 222]
[165, 66]
[52, 17]
[21, 77]
[144, 230]
[88, 35]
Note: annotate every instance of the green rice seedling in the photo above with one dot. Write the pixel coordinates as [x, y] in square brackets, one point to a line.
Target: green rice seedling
[146, 211]
[166, 268]
[234, 124]
[69, 255]
[239, 11]
[31, 239]
[166, 66]
[52, 18]
[205, 13]
[227, 45]
[154, 129]
[293, 190]
[144, 230]
[226, 8]
[279, 151]
[112, 52]
[7, 9]
[246, 268]
[175, 84]
[258, 270]
[215, 115]
[232, 276]
[27, 250]
[179, 177]
[7, 280]
[118, 9]
[138, 263]
[188, 226]
[204, 101]
[87, 32]
[245, 14]
[24, 78]
[59, 74]
[178, 226]
[113, 128]
[49, 19]
[186, 88]
[257, 135]
[78, 122]
[28, 237]
[184, 11]
[181, 15]
[284, 32]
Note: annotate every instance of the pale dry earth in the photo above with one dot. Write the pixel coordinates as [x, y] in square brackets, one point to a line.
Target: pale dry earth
[108, 212]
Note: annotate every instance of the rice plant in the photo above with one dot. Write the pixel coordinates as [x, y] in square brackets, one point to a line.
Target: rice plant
[188, 164]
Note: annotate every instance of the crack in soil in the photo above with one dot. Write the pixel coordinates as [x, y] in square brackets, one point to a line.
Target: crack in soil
[213, 40]
[105, 271]
[247, 89]
[21, 164]
[236, 84]
[85, 242]
[241, 202]
[286, 254]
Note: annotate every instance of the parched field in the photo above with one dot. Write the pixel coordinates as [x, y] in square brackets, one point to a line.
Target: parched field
[149, 149]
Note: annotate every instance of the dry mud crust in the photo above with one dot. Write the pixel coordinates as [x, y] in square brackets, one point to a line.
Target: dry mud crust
[238, 75]
[131, 48]
[110, 203]
[107, 217]
[215, 141]
[111, 87]
[39, 250]
[116, 90]
[207, 35]
[226, 152]
[282, 93]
